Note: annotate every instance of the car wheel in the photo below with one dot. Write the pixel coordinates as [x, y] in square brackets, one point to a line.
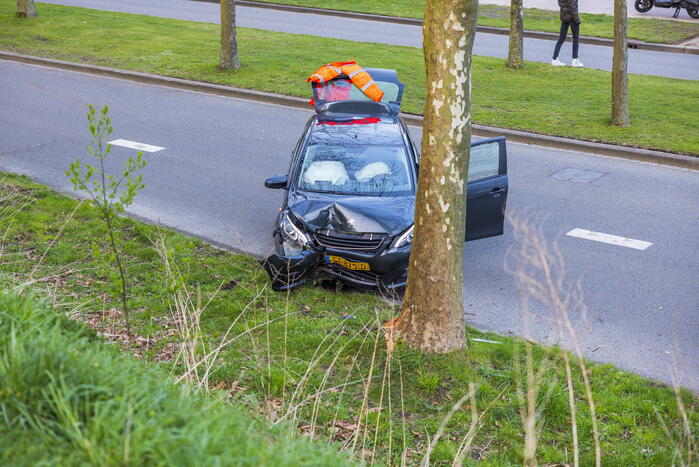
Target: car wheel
[693, 13]
[643, 5]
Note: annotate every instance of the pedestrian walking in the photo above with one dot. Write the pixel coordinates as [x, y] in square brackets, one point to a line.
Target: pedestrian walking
[569, 19]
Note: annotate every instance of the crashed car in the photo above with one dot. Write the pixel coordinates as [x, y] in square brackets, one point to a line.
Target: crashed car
[350, 191]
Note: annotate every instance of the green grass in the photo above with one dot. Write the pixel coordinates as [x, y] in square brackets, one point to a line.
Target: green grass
[305, 358]
[562, 102]
[643, 29]
[68, 399]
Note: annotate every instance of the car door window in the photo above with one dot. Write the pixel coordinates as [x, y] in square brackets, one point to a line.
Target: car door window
[487, 189]
[484, 161]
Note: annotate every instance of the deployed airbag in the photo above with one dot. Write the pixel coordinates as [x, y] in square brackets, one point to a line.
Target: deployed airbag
[372, 170]
[326, 171]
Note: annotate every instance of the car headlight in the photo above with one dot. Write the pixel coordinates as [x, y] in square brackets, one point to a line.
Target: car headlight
[404, 239]
[293, 238]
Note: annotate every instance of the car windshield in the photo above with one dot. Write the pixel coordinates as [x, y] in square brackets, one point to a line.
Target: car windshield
[357, 169]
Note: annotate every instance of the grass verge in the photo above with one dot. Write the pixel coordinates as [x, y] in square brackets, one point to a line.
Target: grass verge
[598, 25]
[68, 399]
[315, 361]
[562, 102]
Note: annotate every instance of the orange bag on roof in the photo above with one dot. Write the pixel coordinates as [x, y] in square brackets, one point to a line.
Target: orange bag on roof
[363, 81]
[356, 74]
[327, 72]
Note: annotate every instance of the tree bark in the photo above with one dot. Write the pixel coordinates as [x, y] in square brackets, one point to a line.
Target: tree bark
[620, 93]
[432, 315]
[25, 9]
[229, 45]
[515, 57]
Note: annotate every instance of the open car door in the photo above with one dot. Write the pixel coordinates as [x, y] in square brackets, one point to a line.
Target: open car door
[487, 189]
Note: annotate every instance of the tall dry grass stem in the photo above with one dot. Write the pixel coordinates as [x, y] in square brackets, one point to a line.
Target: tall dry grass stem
[194, 351]
[538, 268]
[54, 239]
[440, 431]
[365, 401]
[474, 426]
[686, 449]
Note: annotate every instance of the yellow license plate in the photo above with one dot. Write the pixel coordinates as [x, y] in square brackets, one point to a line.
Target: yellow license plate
[349, 264]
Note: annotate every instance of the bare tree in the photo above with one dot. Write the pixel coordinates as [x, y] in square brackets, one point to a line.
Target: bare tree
[620, 59]
[515, 57]
[229, 45]
[25, 9]
[432, 315]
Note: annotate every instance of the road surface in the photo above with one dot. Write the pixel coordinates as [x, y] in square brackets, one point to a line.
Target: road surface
[671, 65]
[643, 305]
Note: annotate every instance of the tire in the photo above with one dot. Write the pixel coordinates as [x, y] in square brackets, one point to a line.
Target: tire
[693, 13]
[643, 6]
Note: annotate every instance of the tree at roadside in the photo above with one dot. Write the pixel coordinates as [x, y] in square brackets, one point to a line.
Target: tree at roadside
[620, 59]
[432, 315]
[515, 57]
[229, 45]
[25, 9]
[109, 194]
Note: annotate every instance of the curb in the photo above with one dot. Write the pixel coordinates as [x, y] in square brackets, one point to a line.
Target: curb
[632, 44]
[517, 136]
[557, 142]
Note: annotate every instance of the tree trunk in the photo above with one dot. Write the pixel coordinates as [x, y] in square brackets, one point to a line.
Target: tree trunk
[229, 45]
[25, 9]
[515, 55]
[432, 315]
[620, 92]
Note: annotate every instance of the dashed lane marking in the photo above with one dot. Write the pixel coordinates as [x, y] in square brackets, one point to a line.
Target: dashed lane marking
[136, 145]
[610, 239]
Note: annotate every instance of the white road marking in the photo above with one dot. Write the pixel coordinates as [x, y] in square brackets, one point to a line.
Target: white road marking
[487, 341]
[611, 239]
[135, 145]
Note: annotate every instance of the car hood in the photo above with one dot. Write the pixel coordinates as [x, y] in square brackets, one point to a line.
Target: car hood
[360, 214]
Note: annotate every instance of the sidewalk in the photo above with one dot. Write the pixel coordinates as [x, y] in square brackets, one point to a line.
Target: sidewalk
[601, 6]
[694, 43]
[689, 47]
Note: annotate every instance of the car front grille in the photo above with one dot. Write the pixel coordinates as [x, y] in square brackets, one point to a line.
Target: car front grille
[366, 277]
[349, 241]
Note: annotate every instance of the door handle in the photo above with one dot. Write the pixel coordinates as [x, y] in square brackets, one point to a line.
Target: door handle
[496, 192]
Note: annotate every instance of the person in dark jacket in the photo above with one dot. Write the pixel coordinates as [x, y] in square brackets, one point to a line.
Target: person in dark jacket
[569, 18]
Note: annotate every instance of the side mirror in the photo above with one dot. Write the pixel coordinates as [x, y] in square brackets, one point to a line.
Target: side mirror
[278, 181]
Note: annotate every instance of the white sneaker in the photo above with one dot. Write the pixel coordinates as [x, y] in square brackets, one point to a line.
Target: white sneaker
[577, 63]
[557, 62]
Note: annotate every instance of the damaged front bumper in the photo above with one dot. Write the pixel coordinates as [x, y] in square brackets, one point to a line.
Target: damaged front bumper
[287, 272]
[388, 270]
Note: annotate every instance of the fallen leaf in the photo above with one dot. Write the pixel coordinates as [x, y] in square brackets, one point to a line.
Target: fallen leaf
[230, 285]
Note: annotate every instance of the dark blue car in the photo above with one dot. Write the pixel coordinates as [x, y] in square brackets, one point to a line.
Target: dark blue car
[348, 211]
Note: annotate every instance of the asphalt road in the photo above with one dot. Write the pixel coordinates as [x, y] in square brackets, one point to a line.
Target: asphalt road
[643, 306]
[540, 50]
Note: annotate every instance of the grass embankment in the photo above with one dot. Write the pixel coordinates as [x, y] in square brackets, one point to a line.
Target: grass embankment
[642, 29]
[68, 399]
[313, 359]
[563, 102]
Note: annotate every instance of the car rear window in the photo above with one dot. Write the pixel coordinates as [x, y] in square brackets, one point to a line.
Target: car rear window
[341, 90]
